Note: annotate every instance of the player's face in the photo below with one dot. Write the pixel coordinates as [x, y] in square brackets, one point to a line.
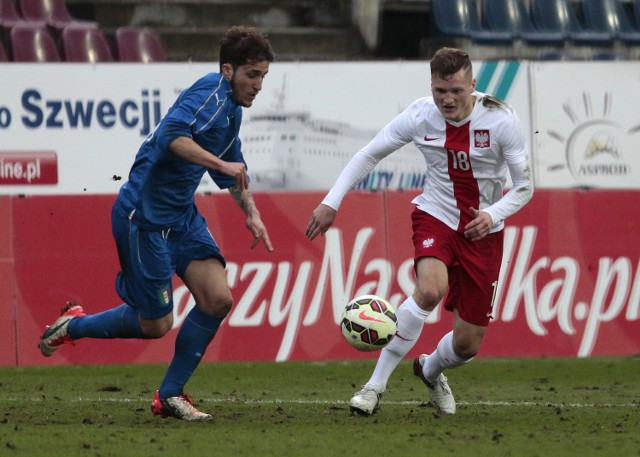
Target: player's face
[246, 80]
[453, 95]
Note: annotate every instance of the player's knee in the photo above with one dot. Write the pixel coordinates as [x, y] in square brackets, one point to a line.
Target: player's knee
[156, 328]
[466, 353]
[223, 307]
[219, 307]
[428, 298]
[466, 348]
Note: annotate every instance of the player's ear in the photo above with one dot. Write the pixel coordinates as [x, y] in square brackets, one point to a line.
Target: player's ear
[227, 71]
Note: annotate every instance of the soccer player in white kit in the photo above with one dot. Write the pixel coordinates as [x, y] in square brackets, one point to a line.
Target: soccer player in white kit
[470, 140]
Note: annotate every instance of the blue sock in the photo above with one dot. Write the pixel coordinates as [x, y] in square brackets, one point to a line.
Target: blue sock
[119, 322]
[195, 334]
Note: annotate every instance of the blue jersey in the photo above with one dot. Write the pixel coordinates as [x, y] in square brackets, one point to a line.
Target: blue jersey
[161, 186]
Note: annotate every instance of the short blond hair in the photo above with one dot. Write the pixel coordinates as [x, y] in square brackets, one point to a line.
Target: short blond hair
[448, 61]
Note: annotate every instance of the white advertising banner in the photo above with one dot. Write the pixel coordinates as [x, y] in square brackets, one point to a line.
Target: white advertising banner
[89, 119]
[587, 119]
[75, 128]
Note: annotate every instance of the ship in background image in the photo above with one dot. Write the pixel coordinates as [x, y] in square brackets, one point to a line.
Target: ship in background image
[290, 150]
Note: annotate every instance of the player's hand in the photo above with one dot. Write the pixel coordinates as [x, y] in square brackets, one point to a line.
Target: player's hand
[187, 149]
[259, 231]
[238, 171]
[321, 219]
[479, 227]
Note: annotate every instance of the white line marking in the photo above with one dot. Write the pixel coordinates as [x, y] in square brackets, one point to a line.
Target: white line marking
[278, 401]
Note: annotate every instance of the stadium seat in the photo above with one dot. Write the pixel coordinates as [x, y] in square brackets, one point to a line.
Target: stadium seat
[139, 45]
[459, 19]
[609, 16]
[9, 17]
[559, 16]
[32, 42]
[553, 54]
[53, 12]
[606, 55]
[3, 54]
[512, 15]
[85, 43]
[8, 14]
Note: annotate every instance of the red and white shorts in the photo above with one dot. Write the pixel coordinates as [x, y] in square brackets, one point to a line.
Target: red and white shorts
[473, 266]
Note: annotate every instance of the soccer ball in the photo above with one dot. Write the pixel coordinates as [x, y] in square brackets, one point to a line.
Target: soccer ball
[368, 323]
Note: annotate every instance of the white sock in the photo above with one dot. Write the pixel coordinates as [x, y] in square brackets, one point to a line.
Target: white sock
[410, 323]
[442, 358]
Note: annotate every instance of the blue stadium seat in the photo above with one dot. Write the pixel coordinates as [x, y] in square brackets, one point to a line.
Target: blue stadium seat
[553, 54]
[560, 16]
[512, 15]
[606, 55]
[459, 19]
[609, 16]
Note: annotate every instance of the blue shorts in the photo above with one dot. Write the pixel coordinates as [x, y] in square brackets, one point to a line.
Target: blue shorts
[150, 258]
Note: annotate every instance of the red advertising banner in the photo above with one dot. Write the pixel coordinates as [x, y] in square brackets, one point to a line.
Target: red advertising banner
[570, 281]
[8, 355]
[28, 167]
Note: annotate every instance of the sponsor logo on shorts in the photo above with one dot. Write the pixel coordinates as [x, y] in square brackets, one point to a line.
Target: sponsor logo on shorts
[428, 243]
[165, 296]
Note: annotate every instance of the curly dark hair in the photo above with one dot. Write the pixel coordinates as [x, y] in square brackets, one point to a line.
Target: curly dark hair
[448, 61]
[241, 45]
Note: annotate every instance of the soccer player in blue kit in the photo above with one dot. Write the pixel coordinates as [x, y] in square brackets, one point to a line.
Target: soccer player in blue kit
[159, 231]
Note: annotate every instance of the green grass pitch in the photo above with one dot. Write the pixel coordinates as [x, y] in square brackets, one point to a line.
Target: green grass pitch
[506, 407]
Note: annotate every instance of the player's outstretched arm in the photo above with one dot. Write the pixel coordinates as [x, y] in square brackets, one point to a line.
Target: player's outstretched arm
[189, 150]
[321, 219]
[244, 199]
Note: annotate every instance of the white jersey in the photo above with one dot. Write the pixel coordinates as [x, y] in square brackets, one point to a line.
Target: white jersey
[467, 161]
